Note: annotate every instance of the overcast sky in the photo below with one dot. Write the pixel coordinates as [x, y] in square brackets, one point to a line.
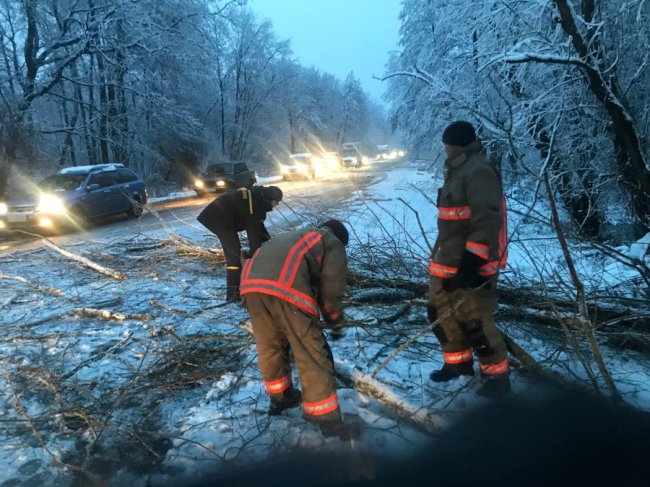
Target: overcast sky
[338, 36]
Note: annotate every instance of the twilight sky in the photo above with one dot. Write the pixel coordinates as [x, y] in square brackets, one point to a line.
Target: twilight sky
[338, 36]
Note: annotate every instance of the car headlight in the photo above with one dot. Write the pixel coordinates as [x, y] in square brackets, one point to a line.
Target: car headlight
[51, 204]
[198, 184]
[3, 208]
[221, 184]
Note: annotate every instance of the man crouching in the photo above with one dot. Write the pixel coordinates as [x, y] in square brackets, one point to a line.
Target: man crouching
[286, 286]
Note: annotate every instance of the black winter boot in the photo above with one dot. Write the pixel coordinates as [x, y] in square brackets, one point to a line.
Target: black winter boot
[232, 282]
[495, 386]
[289, 399]
[452, 371]
[348, 430]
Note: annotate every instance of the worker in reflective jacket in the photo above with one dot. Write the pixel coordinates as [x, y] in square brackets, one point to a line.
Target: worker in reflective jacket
[230, 213]
[470, 250]
[286, 286]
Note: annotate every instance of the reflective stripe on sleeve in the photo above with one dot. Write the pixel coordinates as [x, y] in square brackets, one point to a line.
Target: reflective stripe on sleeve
[278, 386]
[458, 357]
[483, 251]
[454, 213]
[495, 369]
[321, 407]
[442, 270]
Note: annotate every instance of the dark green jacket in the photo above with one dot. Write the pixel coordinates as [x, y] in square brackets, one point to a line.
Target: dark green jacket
[471, 215]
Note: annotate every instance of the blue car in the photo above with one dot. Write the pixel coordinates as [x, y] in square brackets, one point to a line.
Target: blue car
[76, 197]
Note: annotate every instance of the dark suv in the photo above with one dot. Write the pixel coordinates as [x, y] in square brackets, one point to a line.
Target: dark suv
[75, 196]
[220, 177]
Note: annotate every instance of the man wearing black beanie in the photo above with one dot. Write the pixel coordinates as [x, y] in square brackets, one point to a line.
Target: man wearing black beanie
[470, 250]
[230, 213]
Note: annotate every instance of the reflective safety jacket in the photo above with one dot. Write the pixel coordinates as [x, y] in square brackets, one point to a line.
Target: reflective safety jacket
[471, 215]
[307, 268]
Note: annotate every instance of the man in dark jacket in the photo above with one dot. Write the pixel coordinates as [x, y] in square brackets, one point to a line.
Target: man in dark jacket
[286, 286]
[230, 213]
[470, 250]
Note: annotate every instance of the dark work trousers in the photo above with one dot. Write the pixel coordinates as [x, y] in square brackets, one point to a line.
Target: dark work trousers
[466, 321]
[231, 246]
[278, 326]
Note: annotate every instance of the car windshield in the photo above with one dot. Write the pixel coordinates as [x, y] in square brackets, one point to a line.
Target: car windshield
[219, 169]
[298, 160]
[349, 152]
[62, 182]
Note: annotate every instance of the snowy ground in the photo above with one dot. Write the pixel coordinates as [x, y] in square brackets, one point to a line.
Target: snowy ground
[168, 389]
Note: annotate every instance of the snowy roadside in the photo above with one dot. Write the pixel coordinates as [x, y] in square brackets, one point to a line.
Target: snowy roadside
[171, 390]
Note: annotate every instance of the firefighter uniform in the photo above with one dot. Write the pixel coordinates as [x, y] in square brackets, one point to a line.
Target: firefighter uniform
[470, 250]
[286, 286]
[234, 212]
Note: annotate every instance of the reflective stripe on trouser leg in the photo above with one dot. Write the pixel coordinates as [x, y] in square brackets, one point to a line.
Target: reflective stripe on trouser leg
[495, 369]
[312, 356]
[454, 358]
[476, 314]
[271, 344]
[278, 386]
[320, 408]
[449, 333]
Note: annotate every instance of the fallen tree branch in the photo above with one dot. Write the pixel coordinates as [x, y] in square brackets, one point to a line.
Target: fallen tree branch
[107, 315]
[364, 384]
[22, 280]
[86, 262]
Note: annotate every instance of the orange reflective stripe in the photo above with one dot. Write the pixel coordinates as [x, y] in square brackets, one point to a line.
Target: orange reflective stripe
[322, 407]
[457, 357]
[273, 288]
[483, 251]
[454, 213]
[295, 256]
[489, 269]
[442, 270]
[278, 386]
[495, 369]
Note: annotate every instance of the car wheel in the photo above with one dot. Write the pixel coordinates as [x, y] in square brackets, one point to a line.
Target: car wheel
[80, 218]
[199, 194]
[136, 207]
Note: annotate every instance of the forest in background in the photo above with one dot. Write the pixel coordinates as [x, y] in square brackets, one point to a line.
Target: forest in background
[163, 86]
[558, 88]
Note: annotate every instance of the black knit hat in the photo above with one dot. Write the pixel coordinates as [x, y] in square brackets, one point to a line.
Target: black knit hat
[272, 193]
[338, 229]
[459, 133]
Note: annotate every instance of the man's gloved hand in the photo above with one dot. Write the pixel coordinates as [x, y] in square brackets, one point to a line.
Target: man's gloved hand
[467, 275]
[336, 326]
[337, 330]
[246, 254]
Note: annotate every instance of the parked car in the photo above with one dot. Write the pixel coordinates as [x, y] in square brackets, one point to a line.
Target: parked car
[221, 177]
[76, 196]
[299, 166]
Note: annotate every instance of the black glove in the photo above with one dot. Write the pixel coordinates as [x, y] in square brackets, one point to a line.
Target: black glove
[467, 275]
[338, 330]
[246, 254]
[432, 313]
